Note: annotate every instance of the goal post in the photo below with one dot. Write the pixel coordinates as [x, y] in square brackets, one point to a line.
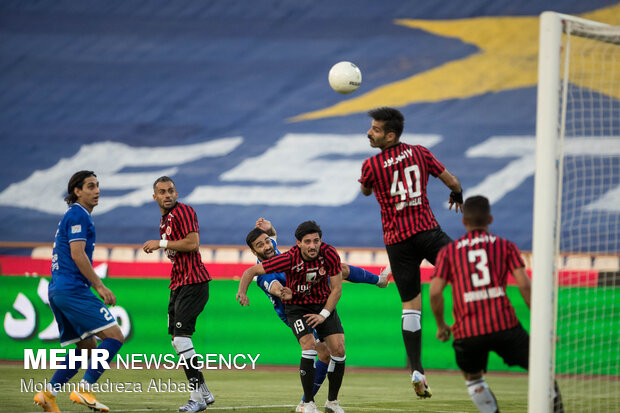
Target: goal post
[577, 170]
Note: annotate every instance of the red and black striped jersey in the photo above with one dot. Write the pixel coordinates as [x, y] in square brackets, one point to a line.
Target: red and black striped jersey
[477, 265]
[187, 267]
[398, 176]
[309, 280]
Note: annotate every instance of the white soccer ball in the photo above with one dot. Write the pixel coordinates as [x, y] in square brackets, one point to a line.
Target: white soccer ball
[345, 77]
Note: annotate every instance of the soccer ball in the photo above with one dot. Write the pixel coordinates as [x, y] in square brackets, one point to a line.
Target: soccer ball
[345, 77]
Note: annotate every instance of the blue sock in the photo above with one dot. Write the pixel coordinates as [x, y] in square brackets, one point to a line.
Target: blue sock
[360, 275]
[110, 344]
[319, 376]
[62, 376]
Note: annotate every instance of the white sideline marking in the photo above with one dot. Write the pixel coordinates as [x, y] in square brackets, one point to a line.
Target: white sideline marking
[266, 407]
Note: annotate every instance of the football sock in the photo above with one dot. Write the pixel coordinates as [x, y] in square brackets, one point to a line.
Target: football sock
[185, 349]
[412, 336]
[306, 373]
[335, 373]
[93, 373]
[61, 376]
[320, 372]
[360, 275]
[482, 396]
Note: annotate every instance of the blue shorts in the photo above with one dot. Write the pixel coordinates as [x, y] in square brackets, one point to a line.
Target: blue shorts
[79, 315]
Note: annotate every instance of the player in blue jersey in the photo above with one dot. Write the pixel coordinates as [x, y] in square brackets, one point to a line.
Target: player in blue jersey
[263, 244]
[79, 313]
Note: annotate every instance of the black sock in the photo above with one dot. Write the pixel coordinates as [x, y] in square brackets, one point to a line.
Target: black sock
[194, 376]
[306, 373]
[335, 374]
[413, 347]
[558, 406]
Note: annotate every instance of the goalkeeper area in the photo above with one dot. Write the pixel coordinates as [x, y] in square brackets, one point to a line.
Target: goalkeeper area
[276, 390]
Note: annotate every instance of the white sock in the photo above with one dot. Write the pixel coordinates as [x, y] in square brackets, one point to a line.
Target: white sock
[185, 349]
[481, 395]
[411, 320]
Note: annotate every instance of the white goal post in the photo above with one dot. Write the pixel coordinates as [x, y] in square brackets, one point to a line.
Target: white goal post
[578, 113]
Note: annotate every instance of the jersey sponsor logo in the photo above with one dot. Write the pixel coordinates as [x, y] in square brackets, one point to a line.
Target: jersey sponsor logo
[475, 241]
[76, 229]
[311, 277]
[399, 158]
[304, 289]
[484, 294]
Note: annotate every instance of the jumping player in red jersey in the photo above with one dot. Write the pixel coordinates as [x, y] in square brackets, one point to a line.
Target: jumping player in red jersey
[398, 176]
[189, 282]
[313, 287]
[477, 265]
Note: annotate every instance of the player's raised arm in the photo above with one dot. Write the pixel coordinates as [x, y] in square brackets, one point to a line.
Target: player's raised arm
[245, 281]
[266, 226]
[456, 196]
[190, 243]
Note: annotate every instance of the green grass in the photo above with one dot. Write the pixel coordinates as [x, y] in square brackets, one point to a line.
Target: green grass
[266, 390]
[278, 390]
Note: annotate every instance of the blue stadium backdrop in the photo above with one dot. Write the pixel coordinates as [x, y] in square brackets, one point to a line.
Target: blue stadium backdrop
[231, 99]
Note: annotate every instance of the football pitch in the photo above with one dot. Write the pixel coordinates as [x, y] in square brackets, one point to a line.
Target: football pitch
[272, 390]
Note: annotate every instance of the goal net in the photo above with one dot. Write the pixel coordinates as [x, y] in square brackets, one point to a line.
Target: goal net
[575, 324]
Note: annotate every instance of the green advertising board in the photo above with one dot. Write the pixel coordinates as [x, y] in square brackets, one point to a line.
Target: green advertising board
[371, 318]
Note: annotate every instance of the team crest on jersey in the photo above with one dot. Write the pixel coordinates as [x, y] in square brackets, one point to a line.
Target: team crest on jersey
[321, 271]
[168, 230]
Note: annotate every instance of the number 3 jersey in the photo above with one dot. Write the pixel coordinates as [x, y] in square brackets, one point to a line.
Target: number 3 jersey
[477, 265]
[309, 280]
[398, 176]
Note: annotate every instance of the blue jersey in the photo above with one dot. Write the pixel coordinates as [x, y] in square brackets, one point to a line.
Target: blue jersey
[75, 225]
[265, 281]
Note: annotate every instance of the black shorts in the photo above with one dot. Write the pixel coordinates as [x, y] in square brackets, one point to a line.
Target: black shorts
[472, 353]
[406, 257]
[186, 303]
[297, 321]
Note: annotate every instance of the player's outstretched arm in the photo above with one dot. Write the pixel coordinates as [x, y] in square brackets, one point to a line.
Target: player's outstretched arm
[524, 283]
[266, 226]
[437, 305]
[278, 290]
[456, 196]
[245, 281]
[78, 254]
